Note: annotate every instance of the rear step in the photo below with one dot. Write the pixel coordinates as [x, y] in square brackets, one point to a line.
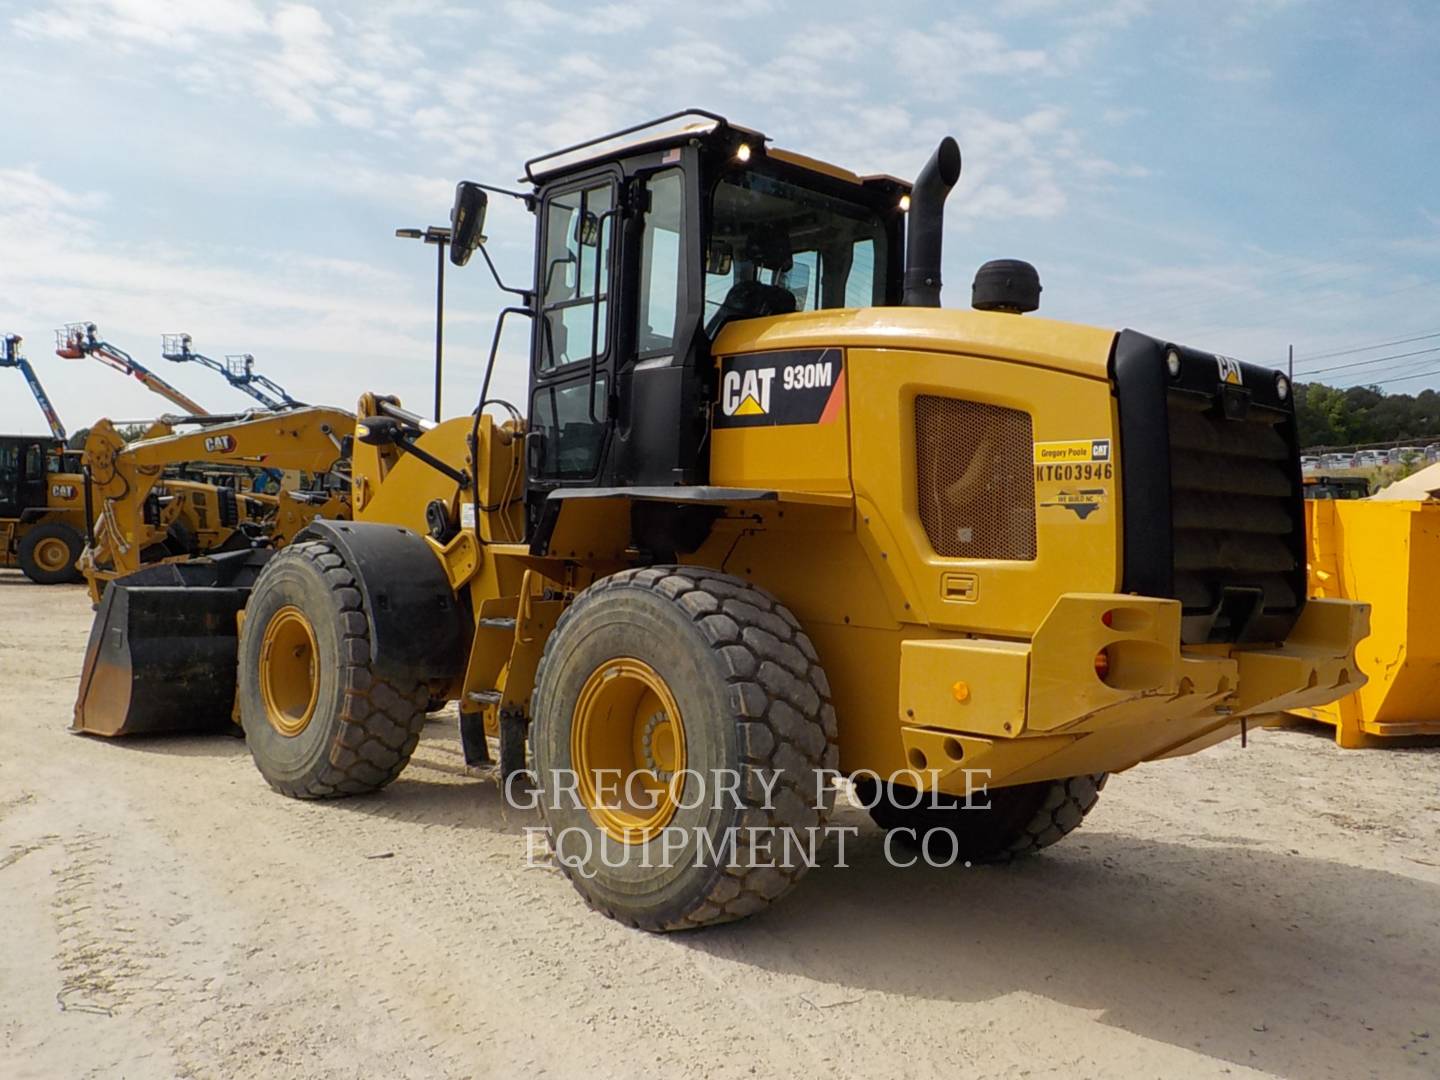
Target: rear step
[162, 650]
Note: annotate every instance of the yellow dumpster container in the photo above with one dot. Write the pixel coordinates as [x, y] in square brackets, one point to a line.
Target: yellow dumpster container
[1388, 554]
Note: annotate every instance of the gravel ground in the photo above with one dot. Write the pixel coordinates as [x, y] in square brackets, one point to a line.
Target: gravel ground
[1266, 911]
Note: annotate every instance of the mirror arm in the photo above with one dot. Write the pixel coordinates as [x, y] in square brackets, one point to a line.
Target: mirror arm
[526, 295]
[529, 200]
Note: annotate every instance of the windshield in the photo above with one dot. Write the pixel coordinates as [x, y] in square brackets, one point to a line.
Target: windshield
[775, 247]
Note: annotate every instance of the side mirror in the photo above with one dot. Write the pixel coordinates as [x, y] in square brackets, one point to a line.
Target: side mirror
[467, 220]
[587, 229]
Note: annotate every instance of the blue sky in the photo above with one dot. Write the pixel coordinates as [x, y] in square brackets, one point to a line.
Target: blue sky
[1236, 175]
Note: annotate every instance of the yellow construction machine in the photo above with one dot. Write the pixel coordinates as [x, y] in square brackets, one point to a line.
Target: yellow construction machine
[42, 508]
[1383, 550]
[772, 515]
[142, 514]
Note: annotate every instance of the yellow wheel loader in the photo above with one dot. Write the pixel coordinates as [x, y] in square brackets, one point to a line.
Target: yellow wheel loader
[143, 514]
[772, 516]
[42, 522]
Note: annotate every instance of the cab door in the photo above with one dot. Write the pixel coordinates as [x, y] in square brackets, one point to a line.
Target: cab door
[573, 346]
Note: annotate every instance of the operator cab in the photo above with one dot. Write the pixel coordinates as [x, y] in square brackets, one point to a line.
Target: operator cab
[25, 463]
[650, 240]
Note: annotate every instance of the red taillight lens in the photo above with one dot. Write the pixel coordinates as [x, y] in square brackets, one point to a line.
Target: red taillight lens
[1102, 664]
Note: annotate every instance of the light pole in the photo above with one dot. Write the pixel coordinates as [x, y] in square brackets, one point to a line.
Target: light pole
[440, 237]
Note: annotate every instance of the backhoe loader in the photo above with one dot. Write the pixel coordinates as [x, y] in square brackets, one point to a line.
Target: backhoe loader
[140, 509]
[772, 516]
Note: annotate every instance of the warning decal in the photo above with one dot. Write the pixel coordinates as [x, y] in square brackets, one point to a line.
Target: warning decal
[800, 386]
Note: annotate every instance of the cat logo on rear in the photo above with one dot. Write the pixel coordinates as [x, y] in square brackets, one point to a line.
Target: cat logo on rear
[220, 444]
[1229, 370]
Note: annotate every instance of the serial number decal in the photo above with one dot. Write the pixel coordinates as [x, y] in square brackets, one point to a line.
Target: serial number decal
[800, 386]
[1087, 470]
[1072, 450]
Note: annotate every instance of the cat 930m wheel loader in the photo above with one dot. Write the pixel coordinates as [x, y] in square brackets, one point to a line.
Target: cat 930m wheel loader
[773, 515]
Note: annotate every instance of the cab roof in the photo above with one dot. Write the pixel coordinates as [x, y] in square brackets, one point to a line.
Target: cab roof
[678, 128]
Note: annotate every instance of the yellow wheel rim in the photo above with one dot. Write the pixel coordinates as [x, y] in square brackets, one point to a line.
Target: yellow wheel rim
[627, 743]
[52, 554]
[289, 671]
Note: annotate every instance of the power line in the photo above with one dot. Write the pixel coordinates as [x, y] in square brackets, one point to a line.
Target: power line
[1367, 348]
[1417, 375]
[1371, 361]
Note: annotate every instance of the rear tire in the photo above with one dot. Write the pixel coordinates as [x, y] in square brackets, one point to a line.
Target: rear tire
[48, 553]
[1019, 820]
[319, 722]
[679, 676]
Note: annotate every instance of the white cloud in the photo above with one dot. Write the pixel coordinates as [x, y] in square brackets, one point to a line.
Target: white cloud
[124, 24]
[59, 266]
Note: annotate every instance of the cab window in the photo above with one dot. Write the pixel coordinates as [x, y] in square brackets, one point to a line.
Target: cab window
[571, 442]
[660, 255]
[775, 247]
[575, 275]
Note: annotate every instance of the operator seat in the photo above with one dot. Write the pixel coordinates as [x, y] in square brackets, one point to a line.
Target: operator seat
[752, 300]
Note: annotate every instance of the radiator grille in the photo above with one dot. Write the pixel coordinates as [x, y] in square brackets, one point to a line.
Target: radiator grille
[975, 475]
[1231, 504]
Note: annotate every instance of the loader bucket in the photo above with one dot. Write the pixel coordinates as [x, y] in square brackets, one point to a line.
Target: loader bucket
[162, 649]
[1385, 553]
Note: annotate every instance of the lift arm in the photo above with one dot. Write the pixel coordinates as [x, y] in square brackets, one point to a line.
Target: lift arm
[10, 357]
[239, 371]
[75, 340]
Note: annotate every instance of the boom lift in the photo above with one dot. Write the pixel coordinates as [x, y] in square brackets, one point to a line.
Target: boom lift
[76, 340]
[773, 513]
[10, 357]
[238, 370]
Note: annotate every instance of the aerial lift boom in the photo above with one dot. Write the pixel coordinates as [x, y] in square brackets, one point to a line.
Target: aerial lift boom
[74, 340]
[10, 357]
[238, 370]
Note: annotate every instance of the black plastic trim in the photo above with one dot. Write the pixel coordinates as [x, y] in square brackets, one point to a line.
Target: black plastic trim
[1144, 389]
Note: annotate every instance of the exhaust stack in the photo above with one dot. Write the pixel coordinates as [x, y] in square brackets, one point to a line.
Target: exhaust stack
[926, 227]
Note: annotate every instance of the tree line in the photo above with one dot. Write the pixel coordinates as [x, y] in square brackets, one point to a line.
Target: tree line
[1357, 415]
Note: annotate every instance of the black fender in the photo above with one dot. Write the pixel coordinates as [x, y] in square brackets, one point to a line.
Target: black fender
[418, 629]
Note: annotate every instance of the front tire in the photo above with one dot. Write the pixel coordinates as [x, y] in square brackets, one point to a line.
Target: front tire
[678, 699]
[319, 722]
[48, 553]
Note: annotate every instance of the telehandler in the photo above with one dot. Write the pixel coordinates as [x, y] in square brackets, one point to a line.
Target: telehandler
[773, 513]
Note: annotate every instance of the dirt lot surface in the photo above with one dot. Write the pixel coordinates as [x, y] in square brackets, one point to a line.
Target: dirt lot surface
[1270, 911]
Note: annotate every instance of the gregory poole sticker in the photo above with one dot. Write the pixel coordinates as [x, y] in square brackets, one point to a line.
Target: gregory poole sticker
[1074, 476]
[1072, 450]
